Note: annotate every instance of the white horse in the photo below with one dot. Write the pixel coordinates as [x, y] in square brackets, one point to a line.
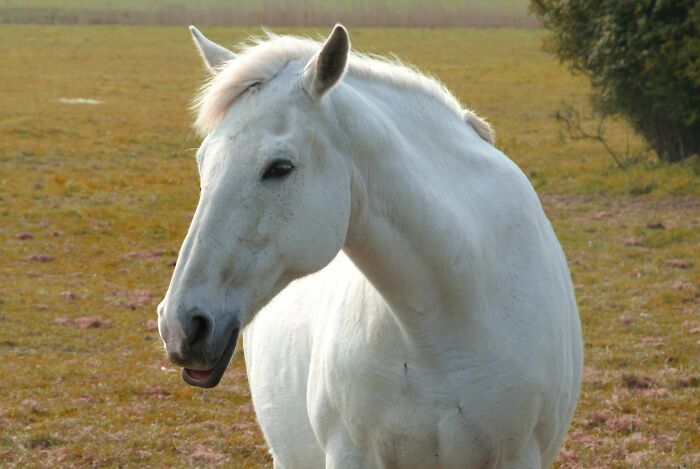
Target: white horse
[403, 298]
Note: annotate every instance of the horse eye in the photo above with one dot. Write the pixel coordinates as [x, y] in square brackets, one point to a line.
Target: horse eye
[278, 169]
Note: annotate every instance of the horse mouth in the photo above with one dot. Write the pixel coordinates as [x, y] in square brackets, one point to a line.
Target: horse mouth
[211, 377]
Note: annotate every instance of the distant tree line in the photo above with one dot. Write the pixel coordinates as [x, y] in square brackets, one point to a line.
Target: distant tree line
[643, 60]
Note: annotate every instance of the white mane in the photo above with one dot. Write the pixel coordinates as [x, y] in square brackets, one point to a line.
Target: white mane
[260, 60]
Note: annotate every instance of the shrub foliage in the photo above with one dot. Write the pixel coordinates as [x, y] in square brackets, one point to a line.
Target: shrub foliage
[643, 59]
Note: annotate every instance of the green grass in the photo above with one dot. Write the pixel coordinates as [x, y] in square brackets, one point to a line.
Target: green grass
[93, 184]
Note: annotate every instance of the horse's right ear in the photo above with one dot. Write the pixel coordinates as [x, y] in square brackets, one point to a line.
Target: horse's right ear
[326, 68]
[215, 56]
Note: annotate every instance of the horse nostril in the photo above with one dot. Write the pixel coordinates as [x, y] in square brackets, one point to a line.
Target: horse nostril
[199, 330]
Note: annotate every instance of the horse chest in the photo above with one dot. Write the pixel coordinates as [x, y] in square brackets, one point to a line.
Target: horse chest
[400, 415]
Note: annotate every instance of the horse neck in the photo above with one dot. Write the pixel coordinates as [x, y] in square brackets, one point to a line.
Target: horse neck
[407, 231]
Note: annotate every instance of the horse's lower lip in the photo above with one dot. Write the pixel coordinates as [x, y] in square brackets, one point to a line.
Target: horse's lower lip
[211, 377]
[199, 374]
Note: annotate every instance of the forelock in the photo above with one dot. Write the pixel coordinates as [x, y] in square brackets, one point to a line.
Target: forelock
[256, 62]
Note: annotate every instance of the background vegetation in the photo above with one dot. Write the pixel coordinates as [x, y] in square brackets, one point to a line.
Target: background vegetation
[379, 13]
[96, 197]
[643, 59]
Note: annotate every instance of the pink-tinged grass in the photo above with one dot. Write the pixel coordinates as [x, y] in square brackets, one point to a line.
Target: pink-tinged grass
[96, 198]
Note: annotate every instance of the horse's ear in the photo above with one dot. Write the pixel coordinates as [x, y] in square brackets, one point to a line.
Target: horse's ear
[326, 68]
[215, 56]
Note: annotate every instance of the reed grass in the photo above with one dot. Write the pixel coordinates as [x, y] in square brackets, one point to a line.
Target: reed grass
[366, 13]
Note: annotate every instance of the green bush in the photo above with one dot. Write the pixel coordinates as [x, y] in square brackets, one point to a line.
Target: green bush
[643, 59]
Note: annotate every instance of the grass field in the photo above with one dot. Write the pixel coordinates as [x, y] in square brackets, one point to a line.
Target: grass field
[96, 198]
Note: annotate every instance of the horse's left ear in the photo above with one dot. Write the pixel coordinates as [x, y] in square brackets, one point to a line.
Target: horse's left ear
[326, 68]
[215, 56]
